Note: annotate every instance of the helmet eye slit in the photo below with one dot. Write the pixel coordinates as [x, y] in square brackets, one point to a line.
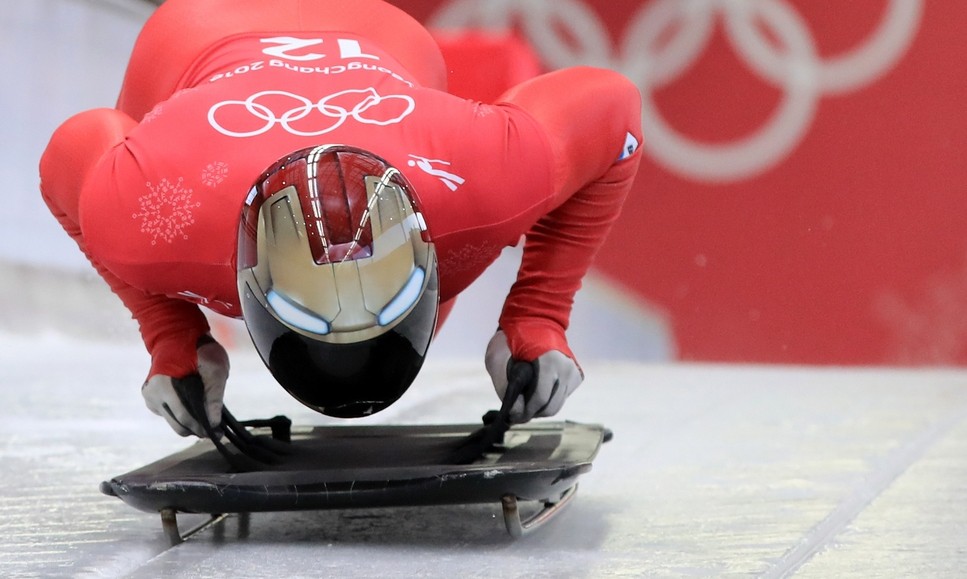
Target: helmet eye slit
[371, 202]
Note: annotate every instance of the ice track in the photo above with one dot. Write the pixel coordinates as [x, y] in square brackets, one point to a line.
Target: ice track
[713, 471]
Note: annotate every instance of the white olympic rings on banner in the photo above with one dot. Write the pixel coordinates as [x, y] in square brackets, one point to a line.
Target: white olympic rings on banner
[332, 115]
[652, 58]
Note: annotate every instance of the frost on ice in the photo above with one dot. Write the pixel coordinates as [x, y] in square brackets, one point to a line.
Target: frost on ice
[166, 211]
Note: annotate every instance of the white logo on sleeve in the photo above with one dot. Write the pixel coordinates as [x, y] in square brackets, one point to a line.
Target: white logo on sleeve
[631, 145]
[427, 166]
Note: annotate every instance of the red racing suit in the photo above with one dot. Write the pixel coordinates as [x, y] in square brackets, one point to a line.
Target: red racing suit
[218, 90]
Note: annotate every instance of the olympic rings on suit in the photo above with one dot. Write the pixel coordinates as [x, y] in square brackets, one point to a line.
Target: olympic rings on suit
[367, 110]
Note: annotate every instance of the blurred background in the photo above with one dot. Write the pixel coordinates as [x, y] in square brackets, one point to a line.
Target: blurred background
[801, 199]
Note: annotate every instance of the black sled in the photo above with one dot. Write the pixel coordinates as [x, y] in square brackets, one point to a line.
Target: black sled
[260, 466]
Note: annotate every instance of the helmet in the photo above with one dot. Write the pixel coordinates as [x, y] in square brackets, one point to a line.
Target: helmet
[337, 279]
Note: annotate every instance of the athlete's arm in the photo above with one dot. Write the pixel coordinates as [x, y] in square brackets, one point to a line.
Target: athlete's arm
[588, 115]
[170, 328]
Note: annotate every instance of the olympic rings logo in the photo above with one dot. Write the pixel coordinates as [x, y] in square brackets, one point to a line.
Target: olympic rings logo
[365, 106]
[665, 37]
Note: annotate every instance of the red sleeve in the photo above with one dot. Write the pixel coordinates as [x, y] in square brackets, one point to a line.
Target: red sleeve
[170, 328]
[593, 120]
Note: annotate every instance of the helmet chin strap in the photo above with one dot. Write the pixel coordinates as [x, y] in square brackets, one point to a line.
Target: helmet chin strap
[383, 183]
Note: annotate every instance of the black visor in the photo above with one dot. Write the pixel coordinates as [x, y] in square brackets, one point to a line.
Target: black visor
[344, 380]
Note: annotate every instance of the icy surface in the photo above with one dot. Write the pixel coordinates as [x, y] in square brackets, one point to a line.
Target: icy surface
[713, 471]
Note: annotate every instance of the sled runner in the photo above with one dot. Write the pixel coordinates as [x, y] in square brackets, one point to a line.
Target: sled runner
[338, 467]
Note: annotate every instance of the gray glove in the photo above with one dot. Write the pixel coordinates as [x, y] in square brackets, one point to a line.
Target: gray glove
[161, 398]
[556, 377]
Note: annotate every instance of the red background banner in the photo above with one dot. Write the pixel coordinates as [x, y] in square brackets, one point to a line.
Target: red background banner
[842, 242]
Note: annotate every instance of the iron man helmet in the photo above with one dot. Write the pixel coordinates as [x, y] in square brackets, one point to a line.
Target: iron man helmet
[337, 278]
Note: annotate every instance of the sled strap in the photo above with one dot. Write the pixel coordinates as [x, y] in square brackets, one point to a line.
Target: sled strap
[253, 453]
[520, 382]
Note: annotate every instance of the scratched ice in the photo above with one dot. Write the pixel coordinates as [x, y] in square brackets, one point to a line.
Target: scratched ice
[713, 470]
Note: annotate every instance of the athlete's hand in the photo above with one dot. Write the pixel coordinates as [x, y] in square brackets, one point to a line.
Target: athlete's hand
[556, 376]
[161, 397]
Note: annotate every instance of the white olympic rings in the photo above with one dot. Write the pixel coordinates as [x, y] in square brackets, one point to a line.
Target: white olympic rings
[652, 58]
[363, 111]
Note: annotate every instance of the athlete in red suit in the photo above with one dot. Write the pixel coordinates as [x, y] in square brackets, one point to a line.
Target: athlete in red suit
[217, 90]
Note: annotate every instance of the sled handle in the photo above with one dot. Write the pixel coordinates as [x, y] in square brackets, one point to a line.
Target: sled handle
[518, 528]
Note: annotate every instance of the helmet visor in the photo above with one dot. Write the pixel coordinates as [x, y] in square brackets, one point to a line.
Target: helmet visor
[344, 380]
